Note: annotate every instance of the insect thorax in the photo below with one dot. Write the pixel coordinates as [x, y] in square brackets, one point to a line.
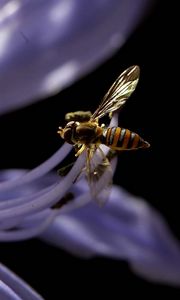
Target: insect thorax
[88, 132]
[82, 132]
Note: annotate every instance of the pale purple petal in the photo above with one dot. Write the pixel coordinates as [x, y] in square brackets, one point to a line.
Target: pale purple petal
[35, 224]
[126, 228]
[6, 293]
[47, 45]
[20, 179]
[14, 288]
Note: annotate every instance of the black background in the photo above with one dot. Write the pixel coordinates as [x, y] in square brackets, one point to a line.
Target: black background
[150, 112]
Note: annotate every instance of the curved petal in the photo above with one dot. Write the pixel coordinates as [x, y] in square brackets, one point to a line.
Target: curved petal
[14, 288]
[47, 45]
[6, 183]
[6, 293]
[126, 228]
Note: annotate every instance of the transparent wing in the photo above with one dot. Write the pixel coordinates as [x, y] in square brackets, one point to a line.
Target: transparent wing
[99, 175]
[119, 92]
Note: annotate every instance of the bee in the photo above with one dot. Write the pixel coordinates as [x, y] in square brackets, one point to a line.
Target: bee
[84, 131]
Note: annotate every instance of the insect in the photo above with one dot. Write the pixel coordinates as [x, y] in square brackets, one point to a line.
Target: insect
[84, 131]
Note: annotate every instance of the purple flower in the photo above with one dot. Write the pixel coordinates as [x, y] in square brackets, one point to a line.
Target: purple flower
[44, 47]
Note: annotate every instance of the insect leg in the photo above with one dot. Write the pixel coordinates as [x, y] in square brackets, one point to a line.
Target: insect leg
[81, 149]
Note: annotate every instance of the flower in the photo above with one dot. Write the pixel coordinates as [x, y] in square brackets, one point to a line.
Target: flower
[44, 47]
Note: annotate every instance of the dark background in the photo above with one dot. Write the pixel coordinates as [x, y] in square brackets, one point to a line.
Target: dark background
[149, 174]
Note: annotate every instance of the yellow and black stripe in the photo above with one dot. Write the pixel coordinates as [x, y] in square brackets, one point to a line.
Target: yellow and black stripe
[119, 138]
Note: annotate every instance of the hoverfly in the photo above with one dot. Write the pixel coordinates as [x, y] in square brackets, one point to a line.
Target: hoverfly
[86, 134]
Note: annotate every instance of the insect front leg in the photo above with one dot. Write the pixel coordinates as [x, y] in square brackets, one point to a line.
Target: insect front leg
[60, 131]
[89, 170]
[79, 148]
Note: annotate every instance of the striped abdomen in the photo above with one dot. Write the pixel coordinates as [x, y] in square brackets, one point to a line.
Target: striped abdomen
[119, 138]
